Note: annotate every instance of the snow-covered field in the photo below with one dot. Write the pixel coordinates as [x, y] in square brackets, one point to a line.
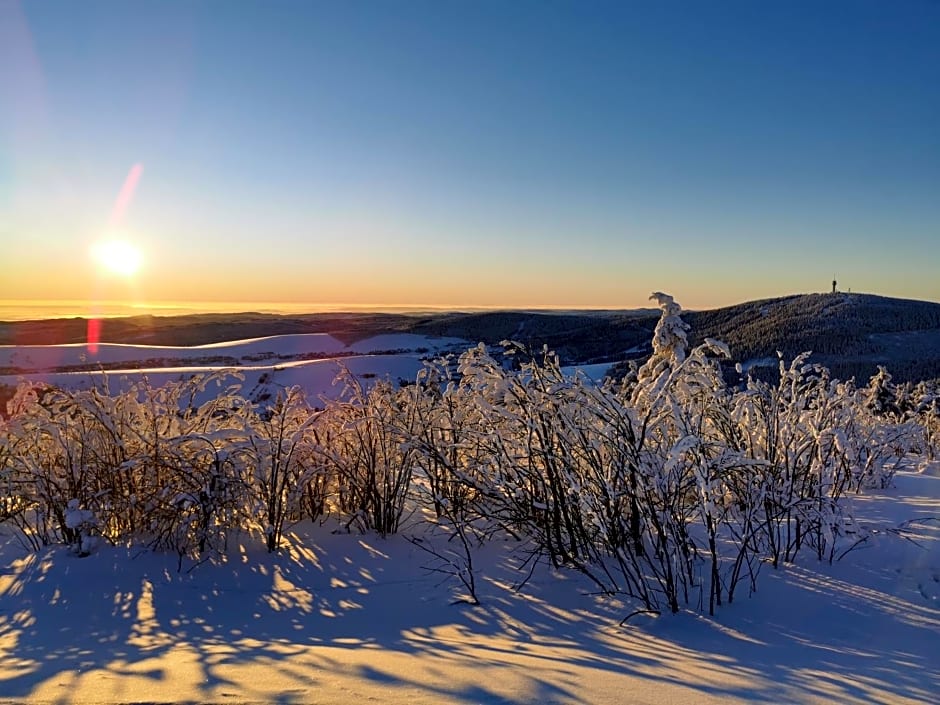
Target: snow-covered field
[342, 618]
[265, 363]
[277, 347]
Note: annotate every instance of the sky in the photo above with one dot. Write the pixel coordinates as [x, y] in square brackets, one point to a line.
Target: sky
[458, 154]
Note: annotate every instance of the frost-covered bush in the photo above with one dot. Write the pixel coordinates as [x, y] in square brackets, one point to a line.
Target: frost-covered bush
[370, 455]
[54, 447]
[280, 460]
[138, 461]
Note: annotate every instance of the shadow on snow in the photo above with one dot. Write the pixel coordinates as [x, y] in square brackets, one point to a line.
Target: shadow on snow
[344, 605]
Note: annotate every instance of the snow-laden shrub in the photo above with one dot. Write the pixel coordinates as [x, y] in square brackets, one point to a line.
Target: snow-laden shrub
[280, 461]
[370, 455]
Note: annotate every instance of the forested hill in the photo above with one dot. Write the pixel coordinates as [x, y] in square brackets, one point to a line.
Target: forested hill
[581, 337]
[849, 333]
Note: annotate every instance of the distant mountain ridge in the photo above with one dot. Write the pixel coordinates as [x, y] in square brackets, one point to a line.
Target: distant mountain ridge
[851, 333]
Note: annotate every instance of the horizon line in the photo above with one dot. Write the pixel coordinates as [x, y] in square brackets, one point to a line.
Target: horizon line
[19, 310]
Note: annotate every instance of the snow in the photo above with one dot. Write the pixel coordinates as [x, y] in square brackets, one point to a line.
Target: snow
[270, 362]
[315, 377]
[759, 362]
[931, 468]
[593, 372]
[346, 617]
[39, 357]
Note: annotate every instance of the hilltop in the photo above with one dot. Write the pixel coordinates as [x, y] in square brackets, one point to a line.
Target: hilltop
[851, 334]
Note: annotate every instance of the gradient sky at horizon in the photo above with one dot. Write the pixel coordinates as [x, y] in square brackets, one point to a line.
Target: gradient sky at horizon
[471, 154]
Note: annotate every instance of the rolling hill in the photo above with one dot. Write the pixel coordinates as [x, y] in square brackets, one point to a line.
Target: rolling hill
[849, 333]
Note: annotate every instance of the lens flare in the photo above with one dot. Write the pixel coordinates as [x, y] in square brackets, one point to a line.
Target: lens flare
[94, 335]
[126, 194]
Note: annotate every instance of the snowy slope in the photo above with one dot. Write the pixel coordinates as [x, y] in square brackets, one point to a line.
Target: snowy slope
[315, 377]
[266, 364]
[346, 618]
[278, 347]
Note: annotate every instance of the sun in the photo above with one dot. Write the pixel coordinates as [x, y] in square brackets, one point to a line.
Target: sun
[118, 257]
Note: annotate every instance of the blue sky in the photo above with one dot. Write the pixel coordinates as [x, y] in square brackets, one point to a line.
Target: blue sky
[512, 153]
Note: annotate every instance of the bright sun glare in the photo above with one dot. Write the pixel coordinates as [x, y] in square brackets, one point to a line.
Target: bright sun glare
[118, 257]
